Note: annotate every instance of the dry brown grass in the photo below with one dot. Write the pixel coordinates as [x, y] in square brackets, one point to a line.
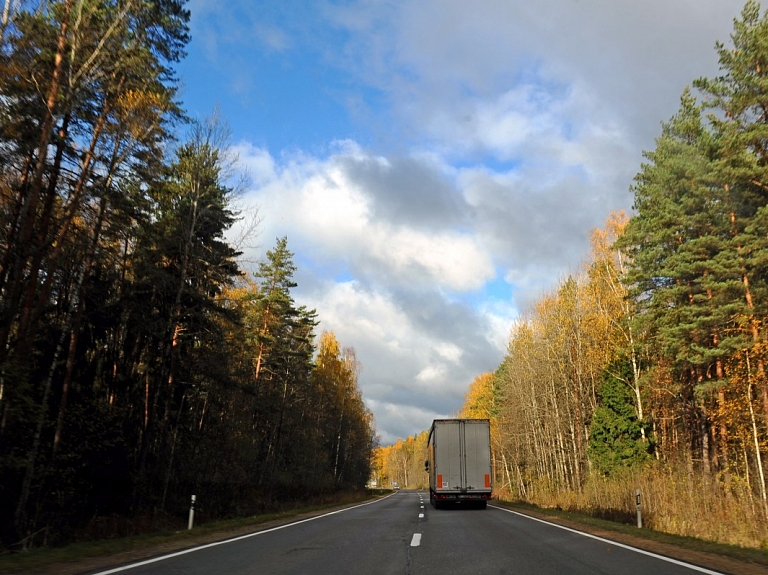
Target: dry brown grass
[673, 501]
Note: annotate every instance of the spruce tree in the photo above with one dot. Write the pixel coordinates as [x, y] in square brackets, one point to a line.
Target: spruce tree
[738, 100]
[616, 438]
[283, 350]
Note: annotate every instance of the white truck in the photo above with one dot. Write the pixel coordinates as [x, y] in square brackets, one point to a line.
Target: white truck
[459, 463]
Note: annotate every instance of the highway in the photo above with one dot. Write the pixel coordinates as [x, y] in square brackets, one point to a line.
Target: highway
[402, 534]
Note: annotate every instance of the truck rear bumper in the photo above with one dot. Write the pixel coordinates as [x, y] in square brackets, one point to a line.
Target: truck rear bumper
[441, 500]
[454, 496]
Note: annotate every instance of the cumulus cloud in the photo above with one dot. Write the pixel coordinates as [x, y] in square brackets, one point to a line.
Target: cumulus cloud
[257, 163]
[500, 134]
[418, 351]
[418, 344]
[333, 212]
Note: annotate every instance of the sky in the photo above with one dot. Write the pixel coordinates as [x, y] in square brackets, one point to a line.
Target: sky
[438, 165]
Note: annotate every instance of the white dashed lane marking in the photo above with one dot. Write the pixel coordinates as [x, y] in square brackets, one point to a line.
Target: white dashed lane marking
[416, 541]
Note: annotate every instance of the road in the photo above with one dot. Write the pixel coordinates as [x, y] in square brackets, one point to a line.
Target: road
[401, 534]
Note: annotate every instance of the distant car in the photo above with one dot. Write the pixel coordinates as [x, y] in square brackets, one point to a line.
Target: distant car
[395, 486]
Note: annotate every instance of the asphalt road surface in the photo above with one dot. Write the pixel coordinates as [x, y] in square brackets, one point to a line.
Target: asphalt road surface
[402, 534]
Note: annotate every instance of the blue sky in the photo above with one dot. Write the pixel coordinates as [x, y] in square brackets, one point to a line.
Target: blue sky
[272, 76]
[437, 165]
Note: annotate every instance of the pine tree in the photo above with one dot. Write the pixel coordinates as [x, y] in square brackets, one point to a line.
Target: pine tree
[738, 99]
[684, 274]
[698, 242]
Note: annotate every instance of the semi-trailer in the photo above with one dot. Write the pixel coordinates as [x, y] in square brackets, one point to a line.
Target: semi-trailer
[459, 464]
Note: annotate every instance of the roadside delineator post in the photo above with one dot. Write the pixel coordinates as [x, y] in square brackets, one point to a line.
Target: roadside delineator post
[639, 511]
[191, 513]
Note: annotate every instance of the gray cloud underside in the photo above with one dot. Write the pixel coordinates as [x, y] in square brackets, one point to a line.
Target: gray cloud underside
[408, 192]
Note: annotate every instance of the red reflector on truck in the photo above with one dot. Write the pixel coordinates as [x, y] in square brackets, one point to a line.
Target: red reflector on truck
[487, 480]
[439, 484]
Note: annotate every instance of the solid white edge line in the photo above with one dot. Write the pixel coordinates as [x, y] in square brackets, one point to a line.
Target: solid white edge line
[185, 551]
[617, 544]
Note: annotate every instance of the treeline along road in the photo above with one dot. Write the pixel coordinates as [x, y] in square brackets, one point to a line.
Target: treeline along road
[401, 534]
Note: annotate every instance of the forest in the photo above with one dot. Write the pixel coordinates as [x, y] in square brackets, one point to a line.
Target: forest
[646, 368]
[139, 364]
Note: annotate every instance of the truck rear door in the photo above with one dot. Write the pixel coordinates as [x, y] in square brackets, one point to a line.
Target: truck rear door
[448, 456]
[477, 455]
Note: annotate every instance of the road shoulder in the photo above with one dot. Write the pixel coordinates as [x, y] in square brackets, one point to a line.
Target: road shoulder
[713, 561]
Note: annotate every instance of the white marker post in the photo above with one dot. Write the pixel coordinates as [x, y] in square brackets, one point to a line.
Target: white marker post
[639, 511]
[191, 513]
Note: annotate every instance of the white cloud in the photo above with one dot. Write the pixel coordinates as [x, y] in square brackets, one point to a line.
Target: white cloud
[449, 351]
[454, 261]
[326, 214]
[256, 162]
[389, 344]
[359, 315]
[509, 130]
[505, 125]
[500, 315]
[432, 375]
